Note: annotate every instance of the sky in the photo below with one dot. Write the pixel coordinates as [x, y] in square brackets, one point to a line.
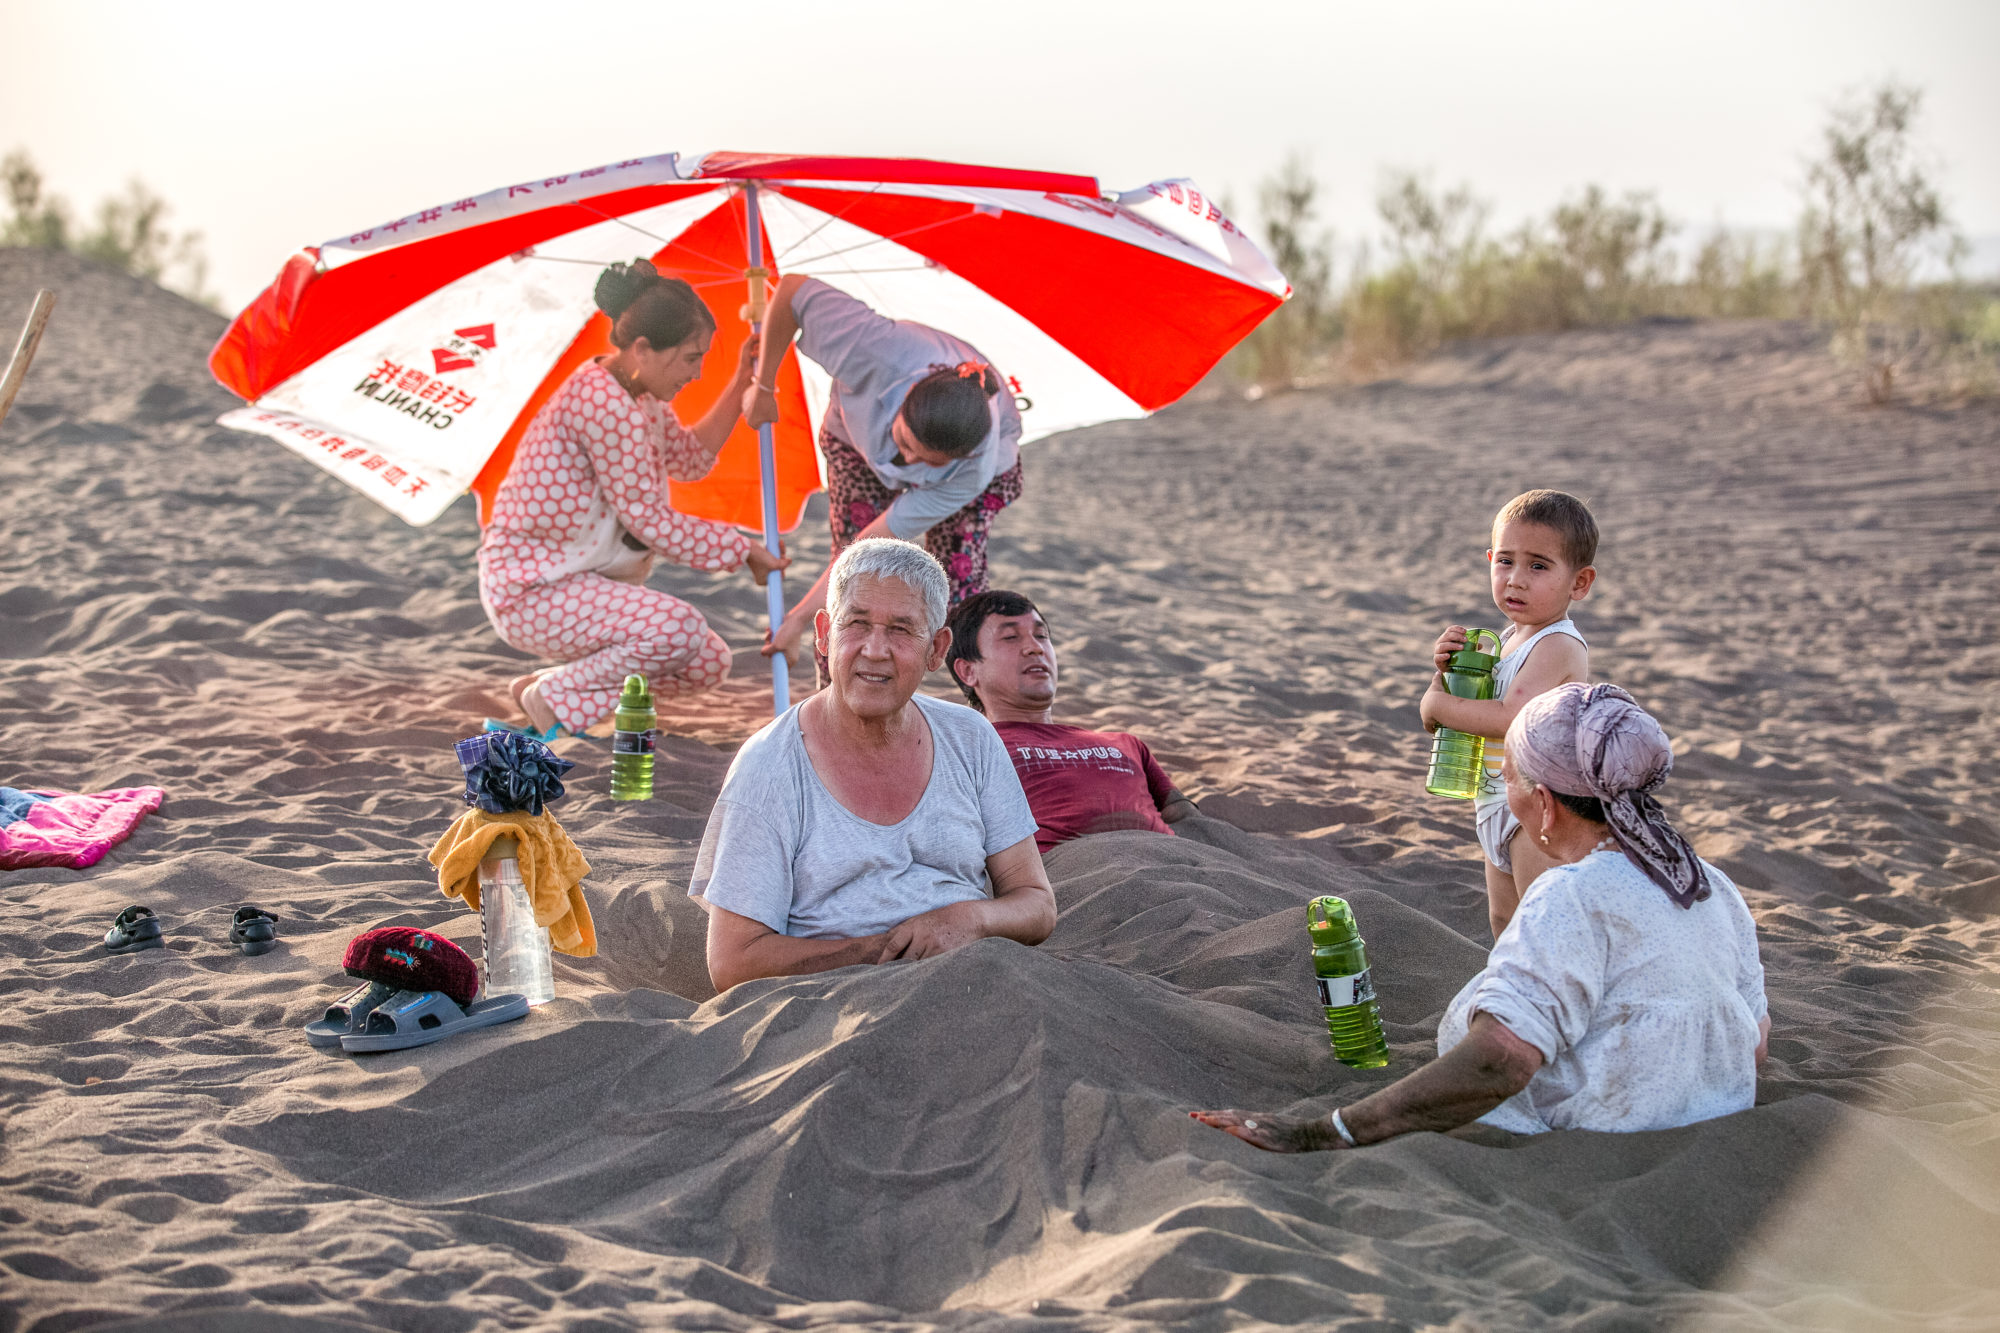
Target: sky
[271, 125]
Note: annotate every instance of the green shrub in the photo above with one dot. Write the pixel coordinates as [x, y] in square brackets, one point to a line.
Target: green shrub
[1293, 342]
[131, 232]
[1871, 214]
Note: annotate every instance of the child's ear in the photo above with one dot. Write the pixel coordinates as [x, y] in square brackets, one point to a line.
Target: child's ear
[1585, 578]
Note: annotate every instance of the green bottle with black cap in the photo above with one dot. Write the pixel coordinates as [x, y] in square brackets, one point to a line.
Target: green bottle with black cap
[1346, 990]
[1458, 761]
[632, 743]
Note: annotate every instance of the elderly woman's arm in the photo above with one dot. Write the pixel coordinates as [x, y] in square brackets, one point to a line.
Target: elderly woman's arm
[1488, 1067]
[1022, 908]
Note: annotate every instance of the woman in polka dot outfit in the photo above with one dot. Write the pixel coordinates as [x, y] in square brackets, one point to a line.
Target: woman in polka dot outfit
[919, 441]
[584, 511]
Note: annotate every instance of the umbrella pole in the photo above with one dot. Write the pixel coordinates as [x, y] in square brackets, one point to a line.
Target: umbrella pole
[767, 458]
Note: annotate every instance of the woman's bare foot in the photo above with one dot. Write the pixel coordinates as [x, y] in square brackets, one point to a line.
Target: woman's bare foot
[540, 716]
[520, 683]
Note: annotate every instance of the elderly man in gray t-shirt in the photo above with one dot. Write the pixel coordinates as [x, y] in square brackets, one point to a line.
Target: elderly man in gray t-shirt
[870, 823]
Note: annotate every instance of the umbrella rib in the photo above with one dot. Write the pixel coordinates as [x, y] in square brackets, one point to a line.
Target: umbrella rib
[877, 240]
[900, 268]
[721, 266]
[621, 222]
[777, 260]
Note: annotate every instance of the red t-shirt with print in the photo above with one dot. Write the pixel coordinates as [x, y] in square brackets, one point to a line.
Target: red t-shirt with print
[1081, 781]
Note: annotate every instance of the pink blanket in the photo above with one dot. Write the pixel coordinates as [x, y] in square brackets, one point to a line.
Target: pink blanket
[74, 829]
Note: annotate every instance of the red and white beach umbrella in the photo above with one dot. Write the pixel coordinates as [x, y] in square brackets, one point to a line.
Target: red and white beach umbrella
[408, 359]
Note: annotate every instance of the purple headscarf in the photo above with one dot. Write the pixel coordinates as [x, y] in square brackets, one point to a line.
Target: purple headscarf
[1595, 740]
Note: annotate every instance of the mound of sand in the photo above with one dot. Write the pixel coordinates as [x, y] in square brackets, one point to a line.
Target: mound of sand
[999, 1136]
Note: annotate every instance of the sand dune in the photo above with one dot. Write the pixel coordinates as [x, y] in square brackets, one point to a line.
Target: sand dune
[1798, 587]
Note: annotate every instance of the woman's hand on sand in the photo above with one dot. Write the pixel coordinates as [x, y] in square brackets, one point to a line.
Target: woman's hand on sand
[1449, 642]
[1274, 1133]
[761, 562]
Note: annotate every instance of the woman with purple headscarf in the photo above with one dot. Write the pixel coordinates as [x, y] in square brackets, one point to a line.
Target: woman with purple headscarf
[1626, 993]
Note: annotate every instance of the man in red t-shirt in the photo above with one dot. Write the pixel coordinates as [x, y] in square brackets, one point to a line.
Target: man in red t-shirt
[1077, 781]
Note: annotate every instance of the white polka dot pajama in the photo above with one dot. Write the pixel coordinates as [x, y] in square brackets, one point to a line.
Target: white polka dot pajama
[593, 449]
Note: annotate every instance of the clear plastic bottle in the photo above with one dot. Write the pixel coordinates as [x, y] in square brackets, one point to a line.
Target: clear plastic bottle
[516, 957]
[1458, 760]
[1346, 992]
[632, 744]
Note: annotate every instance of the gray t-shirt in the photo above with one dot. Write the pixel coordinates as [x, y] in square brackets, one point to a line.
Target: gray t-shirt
[875, 361]
[781, 850]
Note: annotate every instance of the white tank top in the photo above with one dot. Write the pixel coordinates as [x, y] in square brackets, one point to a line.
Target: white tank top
[1492, 788]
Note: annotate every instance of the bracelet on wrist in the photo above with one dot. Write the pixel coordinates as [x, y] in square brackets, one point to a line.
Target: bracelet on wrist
[1340, 1128]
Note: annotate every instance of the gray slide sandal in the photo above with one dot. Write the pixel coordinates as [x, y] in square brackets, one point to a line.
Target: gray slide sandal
[416, 1018]
[348, 1013]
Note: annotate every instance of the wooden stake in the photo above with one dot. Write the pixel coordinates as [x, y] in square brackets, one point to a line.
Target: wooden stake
[24, 351]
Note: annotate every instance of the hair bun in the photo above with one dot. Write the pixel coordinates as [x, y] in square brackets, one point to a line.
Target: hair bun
[620, 285]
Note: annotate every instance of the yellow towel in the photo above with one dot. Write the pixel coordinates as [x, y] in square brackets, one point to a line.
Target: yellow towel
[551, 867]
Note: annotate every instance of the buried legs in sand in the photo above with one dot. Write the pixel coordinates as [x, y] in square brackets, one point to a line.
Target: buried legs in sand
[1484, 1070]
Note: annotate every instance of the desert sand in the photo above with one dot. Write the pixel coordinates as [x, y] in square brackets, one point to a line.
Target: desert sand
[1800, 588]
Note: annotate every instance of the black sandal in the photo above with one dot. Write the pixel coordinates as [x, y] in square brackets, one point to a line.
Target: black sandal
[255, 929]
[134, 929]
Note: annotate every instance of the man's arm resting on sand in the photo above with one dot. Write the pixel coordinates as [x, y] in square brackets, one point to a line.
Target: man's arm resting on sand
[741, 949]
[1484, 1070]
[1176, 807]
[1554, 661]
[1023, 908]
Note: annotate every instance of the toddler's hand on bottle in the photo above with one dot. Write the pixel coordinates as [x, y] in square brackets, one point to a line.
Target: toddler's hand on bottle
[1449, 642]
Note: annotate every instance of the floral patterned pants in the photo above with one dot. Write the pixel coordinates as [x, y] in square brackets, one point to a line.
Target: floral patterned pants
[856, 497]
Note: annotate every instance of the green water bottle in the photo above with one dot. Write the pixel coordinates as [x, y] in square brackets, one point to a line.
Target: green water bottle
[1340, 964]
[632, 743]
[1458, 761]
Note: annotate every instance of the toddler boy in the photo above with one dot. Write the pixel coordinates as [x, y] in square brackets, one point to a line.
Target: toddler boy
[1543, 546]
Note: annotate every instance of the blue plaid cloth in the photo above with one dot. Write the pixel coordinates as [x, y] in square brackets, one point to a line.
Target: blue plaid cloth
[505, 772]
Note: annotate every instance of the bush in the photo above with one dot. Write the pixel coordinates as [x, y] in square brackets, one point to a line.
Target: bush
[1287, 346]
[1871, 214]
[1871, 217]
[1595, 260]
[130, 234]
[1740, 277]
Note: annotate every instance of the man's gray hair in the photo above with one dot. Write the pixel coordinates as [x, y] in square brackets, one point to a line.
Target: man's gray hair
[888, 558]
